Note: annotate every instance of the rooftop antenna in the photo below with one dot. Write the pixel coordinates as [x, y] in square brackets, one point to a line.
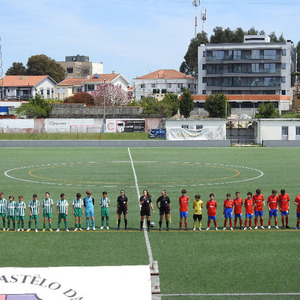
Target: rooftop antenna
[1, 74]
[196, 3]
[203, 17]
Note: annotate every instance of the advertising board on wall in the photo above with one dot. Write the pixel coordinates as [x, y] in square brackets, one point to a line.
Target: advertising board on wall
[75, 283]
[124, 125]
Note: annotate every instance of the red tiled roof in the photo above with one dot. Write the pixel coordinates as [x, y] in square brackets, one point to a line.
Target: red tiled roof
[246, 97]
[101, 78]
[166, 74]
[72, 81]
[23, 80]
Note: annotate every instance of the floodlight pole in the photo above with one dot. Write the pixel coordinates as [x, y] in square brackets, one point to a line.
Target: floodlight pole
[103, 122]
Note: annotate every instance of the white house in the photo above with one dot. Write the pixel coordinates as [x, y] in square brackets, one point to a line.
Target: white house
[90, 84]
[22, 87]
[278, 130]
[71, 86]
[161, 82]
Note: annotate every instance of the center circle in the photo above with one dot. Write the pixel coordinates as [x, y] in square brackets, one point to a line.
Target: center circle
[115, 173]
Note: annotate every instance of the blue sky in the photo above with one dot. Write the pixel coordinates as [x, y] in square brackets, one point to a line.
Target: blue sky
[132, 37]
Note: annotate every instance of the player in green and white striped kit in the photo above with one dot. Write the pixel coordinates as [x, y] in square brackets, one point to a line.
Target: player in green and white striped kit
[104, 204]
[21, 205]
[34, 209]
[47, 210]
[3, 204]
[11, 212]
[62, 211]
[78, 206]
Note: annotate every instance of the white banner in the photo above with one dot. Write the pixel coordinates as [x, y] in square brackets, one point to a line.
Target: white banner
[57, 125]
[75, 283]
[187, 134]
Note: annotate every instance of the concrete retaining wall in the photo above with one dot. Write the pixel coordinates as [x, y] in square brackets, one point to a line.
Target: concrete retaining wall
[281, 143]
[82, 111]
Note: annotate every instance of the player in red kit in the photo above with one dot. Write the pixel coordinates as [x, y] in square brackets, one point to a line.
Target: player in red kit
[183, 208]
[284, 206]
[273, 208]
[248, 210]
[259, 203]
[297, 202]
[228, 205]
[211, 206]
[238, 203]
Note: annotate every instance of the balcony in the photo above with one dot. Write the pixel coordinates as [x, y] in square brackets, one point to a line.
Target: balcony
[244, 57]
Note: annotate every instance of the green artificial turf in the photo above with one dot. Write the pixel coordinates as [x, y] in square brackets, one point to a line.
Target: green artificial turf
[189, 262]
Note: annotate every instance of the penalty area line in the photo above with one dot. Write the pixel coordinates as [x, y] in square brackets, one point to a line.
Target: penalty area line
[149, 250]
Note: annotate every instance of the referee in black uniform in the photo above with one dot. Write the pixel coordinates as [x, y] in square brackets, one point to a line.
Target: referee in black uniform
[163, 203]
[122, 208]
[146, 204]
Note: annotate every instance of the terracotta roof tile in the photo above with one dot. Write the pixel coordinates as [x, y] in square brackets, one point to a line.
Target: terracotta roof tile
[72, 81]
[23, 80]
[166, 74]
[101, 78]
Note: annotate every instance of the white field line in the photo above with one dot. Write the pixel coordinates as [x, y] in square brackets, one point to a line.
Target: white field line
[231, 295]
[150, 256]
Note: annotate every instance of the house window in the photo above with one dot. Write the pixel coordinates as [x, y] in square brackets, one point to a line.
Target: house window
[185, 126]
[283, 66]
[163, 91]
[297, 132]
[69, 70]
[284, 133]
[199, 127]
[283, 52]
[90, 87]
[203, 79]
[283, 80]
[153, 85]
[48, 92]
[204, 92]
[204, 53]
[170, 85]
[283, 92]
[180, 85]
[143, 85]
[204, 67]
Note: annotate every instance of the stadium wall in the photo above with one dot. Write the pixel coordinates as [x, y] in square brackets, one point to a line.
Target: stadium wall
[63, 125]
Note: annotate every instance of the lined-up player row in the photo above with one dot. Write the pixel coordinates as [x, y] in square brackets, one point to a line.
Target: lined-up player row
[253, 205]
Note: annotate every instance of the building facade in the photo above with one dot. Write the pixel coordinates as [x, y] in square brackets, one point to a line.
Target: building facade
[256, 66]
[161, 82]
[80, 66]
[19, 87]
[71, 86]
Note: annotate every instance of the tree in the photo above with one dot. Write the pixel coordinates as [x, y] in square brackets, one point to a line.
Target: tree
[215, 105]
[43, 65]
[113, 95]
[150, 105]
[186, 104]
[252, 31]
[190, 64]
[267, 111]
[35, 108]
[273, 37]
[17, 68]
[83, 97]
[170, 104]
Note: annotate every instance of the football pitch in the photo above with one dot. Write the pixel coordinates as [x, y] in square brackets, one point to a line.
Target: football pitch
[209, 264]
